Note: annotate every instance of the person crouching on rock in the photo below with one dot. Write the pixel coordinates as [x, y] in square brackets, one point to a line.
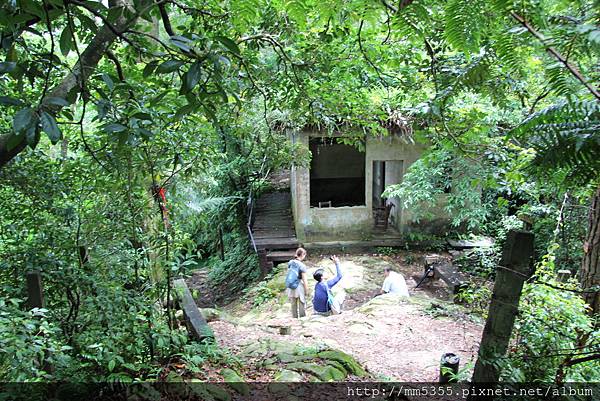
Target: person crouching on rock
[394, 283]
[297, 293]
[324, 303]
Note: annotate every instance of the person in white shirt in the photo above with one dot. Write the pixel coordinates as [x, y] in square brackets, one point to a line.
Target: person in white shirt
[394, 283]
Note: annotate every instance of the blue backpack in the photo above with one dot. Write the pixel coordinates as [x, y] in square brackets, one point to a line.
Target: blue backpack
[292, 279]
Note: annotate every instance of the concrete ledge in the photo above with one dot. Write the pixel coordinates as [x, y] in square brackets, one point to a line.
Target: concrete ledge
[369, 244]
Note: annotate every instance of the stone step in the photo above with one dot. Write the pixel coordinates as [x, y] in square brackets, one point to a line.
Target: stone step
[277, 243]
[281, 256]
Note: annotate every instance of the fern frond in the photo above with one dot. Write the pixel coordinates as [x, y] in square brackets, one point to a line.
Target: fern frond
[408, 21]
[245, 13]
[297, 10]
[504, 6]
[465, 23]
[565, 136]
[559, 113]
[560, 81]
[505, 47]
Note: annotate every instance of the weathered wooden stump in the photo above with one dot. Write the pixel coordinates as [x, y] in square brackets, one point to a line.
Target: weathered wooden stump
[434, 266]
[455, 280]
[194, 321]
[563, 275]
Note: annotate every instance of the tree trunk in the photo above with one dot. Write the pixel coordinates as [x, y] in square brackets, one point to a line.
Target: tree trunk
[514, 270]
[590, 268]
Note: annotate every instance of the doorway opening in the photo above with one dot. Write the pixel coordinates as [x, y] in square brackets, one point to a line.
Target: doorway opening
[386, 173]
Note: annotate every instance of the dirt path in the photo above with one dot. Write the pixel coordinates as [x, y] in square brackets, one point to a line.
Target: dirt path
[391, 336]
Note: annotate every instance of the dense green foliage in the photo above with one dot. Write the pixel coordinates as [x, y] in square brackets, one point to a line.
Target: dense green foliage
[132, 133]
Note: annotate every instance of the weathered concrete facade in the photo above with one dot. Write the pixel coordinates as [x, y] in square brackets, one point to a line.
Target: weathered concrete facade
[354, 223]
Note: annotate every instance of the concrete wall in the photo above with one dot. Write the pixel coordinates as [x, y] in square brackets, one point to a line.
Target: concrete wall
[315, 224]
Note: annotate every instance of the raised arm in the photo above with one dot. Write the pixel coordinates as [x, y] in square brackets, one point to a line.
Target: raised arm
[338, 273]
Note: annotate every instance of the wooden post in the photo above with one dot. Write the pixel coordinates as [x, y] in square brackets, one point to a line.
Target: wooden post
[515, 268]
[35, 290]
[263, 262]
[195, 322]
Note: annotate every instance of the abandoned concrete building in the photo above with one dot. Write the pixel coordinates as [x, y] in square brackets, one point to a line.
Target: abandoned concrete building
[339, 197]
[337, 200]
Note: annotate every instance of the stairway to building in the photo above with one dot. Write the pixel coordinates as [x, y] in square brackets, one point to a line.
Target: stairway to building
[273, 229]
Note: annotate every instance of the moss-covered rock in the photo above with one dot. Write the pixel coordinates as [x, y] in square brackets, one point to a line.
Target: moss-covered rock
[323, 373]
[349, 363]
[277, 282]
[288, 376]
[210, 314]
[209, 392]
[338, 366]
[218, 393]
[288, 358]
[235, 381]
[382, 303]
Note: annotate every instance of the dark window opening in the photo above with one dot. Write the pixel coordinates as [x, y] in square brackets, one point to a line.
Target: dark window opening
[337, 174]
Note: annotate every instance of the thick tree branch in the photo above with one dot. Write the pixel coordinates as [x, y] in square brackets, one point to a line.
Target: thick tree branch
[572, 69]
[72, 83]
[584, 359]
[165, 20]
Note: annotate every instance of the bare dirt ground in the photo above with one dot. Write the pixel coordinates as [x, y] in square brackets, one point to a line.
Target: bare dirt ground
[391, 336]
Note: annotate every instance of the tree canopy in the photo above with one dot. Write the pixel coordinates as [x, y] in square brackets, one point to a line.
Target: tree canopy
[133, 131]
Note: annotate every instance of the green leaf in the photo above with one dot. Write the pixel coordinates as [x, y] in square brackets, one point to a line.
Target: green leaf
[169, 66]
[142, 116]
[114, 13]
[10, 101]
[158, 98]
[32, 136]
[33, 8]
[114, 127]
[87, 23]
[192, 76]
[108, 81]
[149, 68]
[184, 110]
[24, 119]
[50, 127]
[56, 101]
[181, 42]
[111, 365]
[229, 44]
[66, 39]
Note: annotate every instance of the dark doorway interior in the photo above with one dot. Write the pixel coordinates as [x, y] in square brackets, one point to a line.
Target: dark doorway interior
[386, 173]
[337, 174]
[378, 183]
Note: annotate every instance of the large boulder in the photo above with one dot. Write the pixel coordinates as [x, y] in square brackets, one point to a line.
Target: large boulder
[382, 303]
[288, 376]
[321, 363]
[324, 373]
[349, 363]
[235, 381]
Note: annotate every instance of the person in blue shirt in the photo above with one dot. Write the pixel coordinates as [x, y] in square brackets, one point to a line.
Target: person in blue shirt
[321, 303]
